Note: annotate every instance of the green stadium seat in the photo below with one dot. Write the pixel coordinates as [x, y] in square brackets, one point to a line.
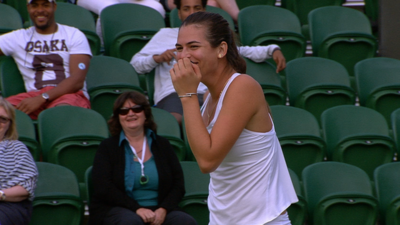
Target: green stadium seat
[341, 34]
[27, 133]
[357, 135]
[126, 28]
[299, 135]
[11, 82]
[69, 136]
[372, 9]
[9, 19]
[245, 3]
[265, 25]
[168, 127]
[76, 16]
[89, 184]
[297, 211]
[106, 79]
[265, 74]
[195, 200]
[395, 125]
[57, 199]
[378, 84]
[316, 84]
[387, 183]
[339, 193]
[304, 7]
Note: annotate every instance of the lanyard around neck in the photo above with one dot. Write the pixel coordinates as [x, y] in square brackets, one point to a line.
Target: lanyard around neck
[143, 154]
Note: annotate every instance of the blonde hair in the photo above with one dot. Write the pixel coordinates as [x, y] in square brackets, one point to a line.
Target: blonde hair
[11, 133]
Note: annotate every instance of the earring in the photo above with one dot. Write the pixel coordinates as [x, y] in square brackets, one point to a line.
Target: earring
[219, 56]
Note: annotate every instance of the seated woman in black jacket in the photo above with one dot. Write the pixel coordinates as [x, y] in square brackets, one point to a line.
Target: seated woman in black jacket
[137, 177]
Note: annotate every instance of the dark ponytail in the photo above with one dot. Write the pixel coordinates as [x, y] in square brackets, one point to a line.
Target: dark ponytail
[217, 31]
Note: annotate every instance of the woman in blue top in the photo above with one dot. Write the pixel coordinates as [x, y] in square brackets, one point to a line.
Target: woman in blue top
[137, 177]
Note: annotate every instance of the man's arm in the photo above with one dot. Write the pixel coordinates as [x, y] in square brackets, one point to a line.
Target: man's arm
[158, 50]
[71, 84]
[279, 59]
[262, 53]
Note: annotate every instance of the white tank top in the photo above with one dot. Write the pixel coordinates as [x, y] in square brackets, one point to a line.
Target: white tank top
[252, 185]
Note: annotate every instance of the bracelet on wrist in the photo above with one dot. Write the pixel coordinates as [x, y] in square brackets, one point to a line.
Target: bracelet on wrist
[2, 196]
[187, 95]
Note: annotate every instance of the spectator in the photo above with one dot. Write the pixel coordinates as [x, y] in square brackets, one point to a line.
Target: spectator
[229, 6]
[97, 6]
[18, 172]
[232, 137]
[137, 177]
[52, 58]
[159, 54]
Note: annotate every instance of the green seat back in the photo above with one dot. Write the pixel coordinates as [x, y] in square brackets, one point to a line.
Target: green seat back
[127, 28]
[106, 79]
[387, 183]
[89, 184]
[265, 74]
[27, 133]
[316, 84]
[245, 3]
[357, 135]
[9, 19]
[299, 135]
[342, 34]
[195, 200]
[395, 125]
[55, 180]
[176, 22]
[57, 198]
[378, 84]
[339, 193]
[20, 6]
[81, 18]
[69, 136]
[11, 82]
[196, 182]
[372, 9]
[297, 211]
[302, 7]
[264, 25]
[168, 127]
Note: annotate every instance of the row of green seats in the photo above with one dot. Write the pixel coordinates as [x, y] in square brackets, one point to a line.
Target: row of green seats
[338, 33]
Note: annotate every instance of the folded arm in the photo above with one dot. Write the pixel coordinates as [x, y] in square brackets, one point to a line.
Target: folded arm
[16, 194]
[78, 67]
[261, 53]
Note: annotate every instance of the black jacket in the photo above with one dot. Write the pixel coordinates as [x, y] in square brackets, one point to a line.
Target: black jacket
[109, 184]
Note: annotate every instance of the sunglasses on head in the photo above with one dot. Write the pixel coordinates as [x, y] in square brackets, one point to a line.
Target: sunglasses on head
[135, 109]
[4, 119]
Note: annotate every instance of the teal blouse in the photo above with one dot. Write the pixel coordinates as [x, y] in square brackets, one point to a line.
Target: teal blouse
[144, 194]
